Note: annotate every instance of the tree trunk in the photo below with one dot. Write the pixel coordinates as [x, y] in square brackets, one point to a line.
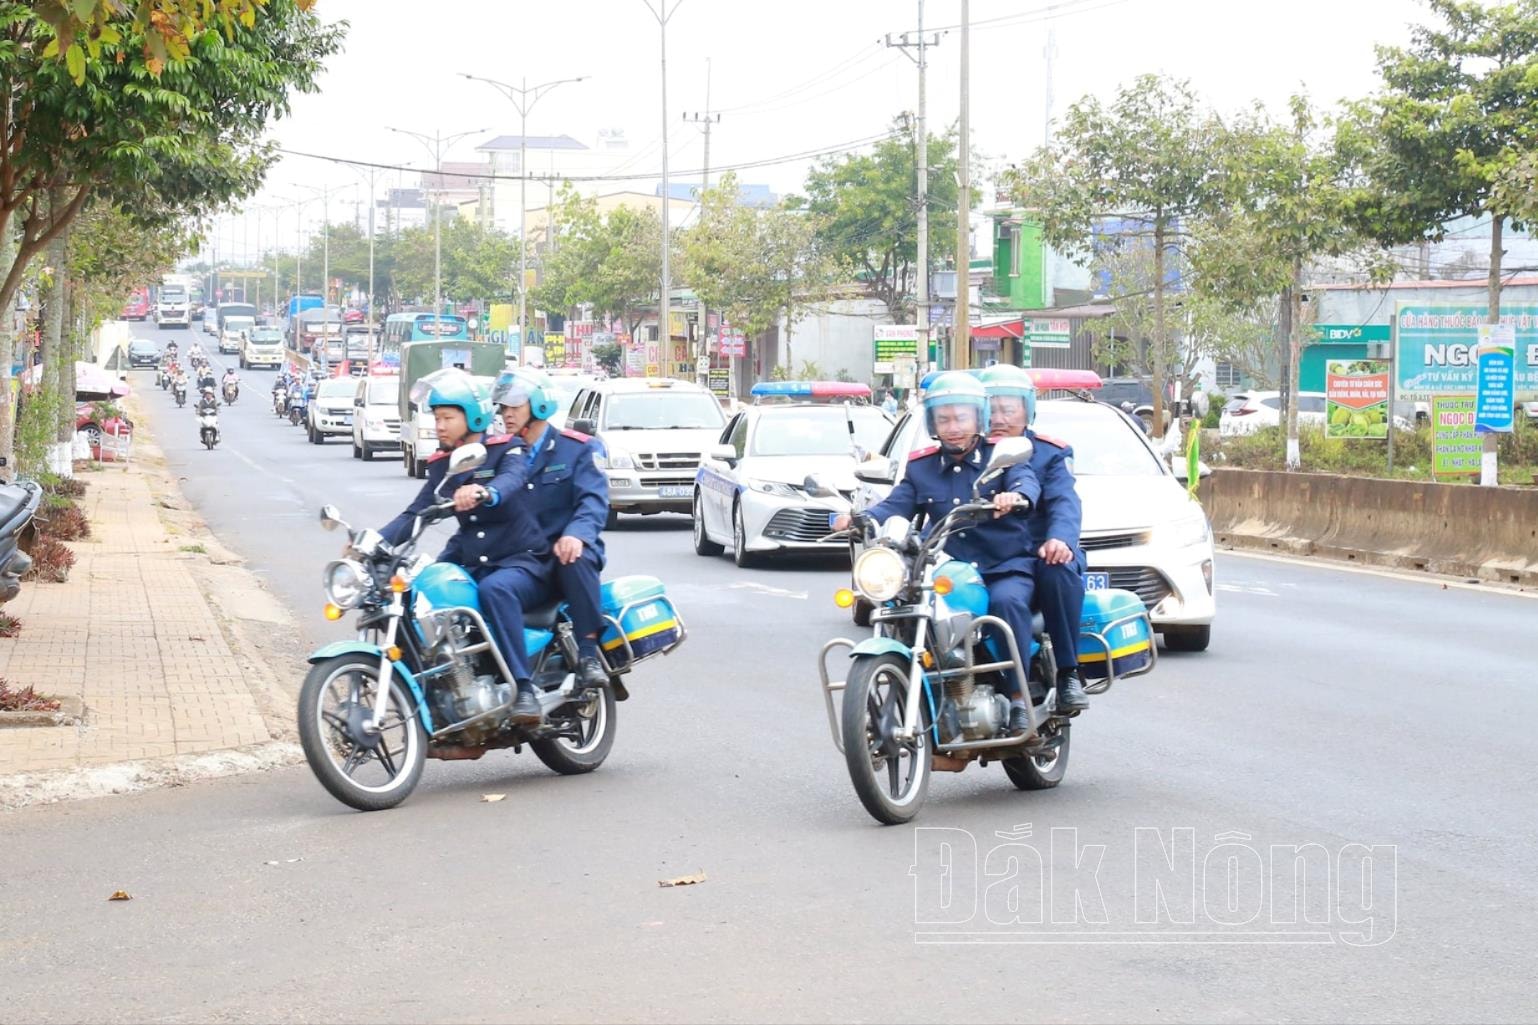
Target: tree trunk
[7, 353]
[1294, 358]
[71, 348]
[1489, 465]
[1161, 339]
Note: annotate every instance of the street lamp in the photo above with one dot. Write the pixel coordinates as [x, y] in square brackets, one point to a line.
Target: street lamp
[523, 98]
[436, 152]
[324, 192]
[665, 313]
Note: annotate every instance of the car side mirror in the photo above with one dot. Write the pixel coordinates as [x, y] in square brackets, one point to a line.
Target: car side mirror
[722, 454]
[1182, 470]
[584, 426]
[875, 470]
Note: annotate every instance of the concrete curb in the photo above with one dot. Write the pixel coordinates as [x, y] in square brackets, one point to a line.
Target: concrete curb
[24, 789]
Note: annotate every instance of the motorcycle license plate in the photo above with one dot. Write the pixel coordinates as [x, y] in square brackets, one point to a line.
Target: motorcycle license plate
[1097, 581]
[674, 491]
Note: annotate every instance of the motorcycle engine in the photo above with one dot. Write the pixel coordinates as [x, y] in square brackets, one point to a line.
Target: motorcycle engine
[459, 694]
[983, 714]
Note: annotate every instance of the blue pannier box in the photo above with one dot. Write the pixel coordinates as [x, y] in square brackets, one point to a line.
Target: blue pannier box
[641, 607]
[1114, 633]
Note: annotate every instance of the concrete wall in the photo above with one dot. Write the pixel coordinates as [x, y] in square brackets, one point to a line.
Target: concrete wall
[1484, 533]
[840, 336]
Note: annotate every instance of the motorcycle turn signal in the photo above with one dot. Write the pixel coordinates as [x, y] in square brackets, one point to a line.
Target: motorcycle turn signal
[843, 597]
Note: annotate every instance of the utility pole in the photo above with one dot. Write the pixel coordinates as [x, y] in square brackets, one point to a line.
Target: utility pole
[701, 349]
[665, 299]
[1050, 52]
[523, 98]
[961, 356]
[436, 152]
[921, 199]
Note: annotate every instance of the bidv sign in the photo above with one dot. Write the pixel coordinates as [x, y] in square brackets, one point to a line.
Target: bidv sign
[1154, 886]
[1437, 349]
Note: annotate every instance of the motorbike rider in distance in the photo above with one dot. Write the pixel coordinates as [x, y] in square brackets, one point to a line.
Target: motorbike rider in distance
[207, 403]
[231, 381]
[1054, 524]
[498, 542]
[941, 477]
[569, 496]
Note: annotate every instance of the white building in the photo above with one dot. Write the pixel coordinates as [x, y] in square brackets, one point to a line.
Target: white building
[552, 159]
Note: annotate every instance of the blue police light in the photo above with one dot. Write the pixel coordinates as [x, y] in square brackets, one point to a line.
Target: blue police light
[808, 390]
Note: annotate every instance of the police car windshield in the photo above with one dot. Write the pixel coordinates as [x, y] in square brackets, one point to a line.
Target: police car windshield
[1104, 445]
[818, 431]
[662, 410]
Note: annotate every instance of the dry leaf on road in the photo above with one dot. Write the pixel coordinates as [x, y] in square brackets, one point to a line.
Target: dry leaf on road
[691, 880]
[120, 895]
[492, 798]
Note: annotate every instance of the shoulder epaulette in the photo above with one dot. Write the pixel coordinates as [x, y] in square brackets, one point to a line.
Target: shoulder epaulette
[440, 454]
[1051, 440]
[498, 439]
[920, 453]
[575, 435]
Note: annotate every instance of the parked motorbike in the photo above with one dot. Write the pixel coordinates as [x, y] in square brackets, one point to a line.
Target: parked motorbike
[424, 680]
[18, 504]
[231, 393]
[280, 401]
[927, 692]
[208, 429]
[180, 392]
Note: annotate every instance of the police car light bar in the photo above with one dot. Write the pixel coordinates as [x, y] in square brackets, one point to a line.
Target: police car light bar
[810, 390]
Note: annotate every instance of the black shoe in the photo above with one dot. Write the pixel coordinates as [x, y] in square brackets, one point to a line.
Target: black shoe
[590, 673]
[1070, 692]
[526, 710]
[1019, 720]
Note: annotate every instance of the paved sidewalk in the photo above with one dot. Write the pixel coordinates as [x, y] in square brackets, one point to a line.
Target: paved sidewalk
[141, 636]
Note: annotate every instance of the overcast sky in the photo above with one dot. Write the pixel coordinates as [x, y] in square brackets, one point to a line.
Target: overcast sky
[788, 77]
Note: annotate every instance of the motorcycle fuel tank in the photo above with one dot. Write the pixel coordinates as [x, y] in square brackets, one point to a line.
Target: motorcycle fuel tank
[444, 585]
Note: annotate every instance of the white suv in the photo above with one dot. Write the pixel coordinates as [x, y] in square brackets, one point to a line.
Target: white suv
[376, 416]
[655, 431]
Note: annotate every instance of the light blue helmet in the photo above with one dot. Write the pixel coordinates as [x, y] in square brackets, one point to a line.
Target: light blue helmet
[453, 387]
[1004, 380]
[527, 384]
[955, 388]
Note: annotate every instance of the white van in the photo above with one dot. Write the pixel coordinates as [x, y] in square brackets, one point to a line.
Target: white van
[376, 417]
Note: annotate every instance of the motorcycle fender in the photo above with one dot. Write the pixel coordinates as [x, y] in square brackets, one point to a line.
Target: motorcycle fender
[880, 646]
[375, 651]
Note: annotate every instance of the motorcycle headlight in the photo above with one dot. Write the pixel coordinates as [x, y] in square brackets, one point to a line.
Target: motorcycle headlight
[620, 461]
[878, 574]
[346, 583]
[774, 487]
[1188, 530]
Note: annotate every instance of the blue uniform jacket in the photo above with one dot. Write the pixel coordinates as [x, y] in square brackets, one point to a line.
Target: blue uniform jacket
[568, 490]
[935, 483]
[490, 535]
[1059, 514]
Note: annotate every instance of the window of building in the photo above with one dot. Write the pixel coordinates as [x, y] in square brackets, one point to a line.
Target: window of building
[1227, 375]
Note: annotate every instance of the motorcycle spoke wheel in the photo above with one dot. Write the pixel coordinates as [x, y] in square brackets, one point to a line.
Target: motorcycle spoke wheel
[366, 772]
[890, 774]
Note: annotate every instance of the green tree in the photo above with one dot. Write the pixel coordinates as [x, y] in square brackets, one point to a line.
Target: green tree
[1146, 158]
[611, 263]
[754, 266]
[867, 213]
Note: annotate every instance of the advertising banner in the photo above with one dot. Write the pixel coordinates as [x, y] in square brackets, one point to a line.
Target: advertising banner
[1495, 400]
[1456, 451]
[1437, 349]
[1356, 399]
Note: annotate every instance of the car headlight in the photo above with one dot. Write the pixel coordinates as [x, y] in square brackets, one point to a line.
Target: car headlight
[878, 574]
[346, 583]
[1188, 530]
[774, 487]
[620, 461]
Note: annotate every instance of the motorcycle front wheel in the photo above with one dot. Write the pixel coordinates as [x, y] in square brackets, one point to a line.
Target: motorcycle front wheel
[890, 776]
[337, 696]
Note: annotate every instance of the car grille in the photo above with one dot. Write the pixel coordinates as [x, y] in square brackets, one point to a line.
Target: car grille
[799, 525]
[1123, 540]
[1144, 581]
[668, 461]
[668, 482]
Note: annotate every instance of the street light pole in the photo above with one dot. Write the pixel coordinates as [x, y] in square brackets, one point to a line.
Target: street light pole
[436, 151]
[665, 300]
[523, 98]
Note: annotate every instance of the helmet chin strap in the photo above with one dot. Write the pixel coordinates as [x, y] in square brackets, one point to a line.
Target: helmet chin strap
[956, 452]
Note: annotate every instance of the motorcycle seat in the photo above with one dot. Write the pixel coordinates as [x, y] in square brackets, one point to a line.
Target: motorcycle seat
[542, 616]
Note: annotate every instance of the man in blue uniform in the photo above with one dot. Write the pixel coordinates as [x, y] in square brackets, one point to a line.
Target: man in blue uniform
[568, 496]
[1053, 525]
[498, 540]
[940, 478]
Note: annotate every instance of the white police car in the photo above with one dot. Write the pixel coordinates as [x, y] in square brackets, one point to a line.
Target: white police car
[749, 491]
[1141, 532]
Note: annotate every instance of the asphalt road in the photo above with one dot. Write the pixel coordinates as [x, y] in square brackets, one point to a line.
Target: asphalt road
[1386, 722]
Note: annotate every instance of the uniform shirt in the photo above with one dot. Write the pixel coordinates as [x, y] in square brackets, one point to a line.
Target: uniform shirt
[501, 532]
[935, 484]
[567, 488]
[1059, 513]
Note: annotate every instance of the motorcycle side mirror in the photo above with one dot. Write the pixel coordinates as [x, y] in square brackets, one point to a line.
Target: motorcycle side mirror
[875, 470]
[1009, 452]
[466, 458]
[331, 517]
[815, 486]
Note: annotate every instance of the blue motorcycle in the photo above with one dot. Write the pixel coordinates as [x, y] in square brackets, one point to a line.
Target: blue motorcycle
[424, 679]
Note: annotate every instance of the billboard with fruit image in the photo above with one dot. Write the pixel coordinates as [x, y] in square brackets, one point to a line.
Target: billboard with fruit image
[1356, 399]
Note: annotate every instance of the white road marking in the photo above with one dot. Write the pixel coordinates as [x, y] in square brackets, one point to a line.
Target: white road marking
[778, 592]
[1248, 589]
[1491, 587]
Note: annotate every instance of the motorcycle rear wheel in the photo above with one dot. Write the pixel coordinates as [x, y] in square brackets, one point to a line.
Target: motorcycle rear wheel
[1040, 773]
[594, 721]
[368, 779]
[891, 778]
